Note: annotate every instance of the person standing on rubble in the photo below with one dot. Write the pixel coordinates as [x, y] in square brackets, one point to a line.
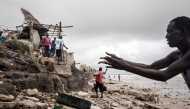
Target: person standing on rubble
[53, 47]
[47, 43]
[59, 48]
[63, 45]
[99, 83]
[2, 35]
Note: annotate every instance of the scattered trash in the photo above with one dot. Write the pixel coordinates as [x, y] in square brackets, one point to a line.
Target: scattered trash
[58, 107]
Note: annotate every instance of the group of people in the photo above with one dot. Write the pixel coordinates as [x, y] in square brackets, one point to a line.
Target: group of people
[176, 62]
[119, 76]
[56, 47]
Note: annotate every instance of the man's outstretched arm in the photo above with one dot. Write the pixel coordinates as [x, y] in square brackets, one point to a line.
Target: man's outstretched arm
[159, 64]
[172, 70]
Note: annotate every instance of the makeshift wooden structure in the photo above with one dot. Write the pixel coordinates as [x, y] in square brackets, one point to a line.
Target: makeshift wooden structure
[38, 30]
[35, 29]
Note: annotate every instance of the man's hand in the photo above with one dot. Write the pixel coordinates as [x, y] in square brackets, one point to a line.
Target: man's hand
[114, 62]
[113, 56]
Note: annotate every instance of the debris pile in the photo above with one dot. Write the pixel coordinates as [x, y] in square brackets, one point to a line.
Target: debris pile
[29, 80]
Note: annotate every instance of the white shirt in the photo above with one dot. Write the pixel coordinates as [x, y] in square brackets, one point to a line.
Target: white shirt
[59, 43]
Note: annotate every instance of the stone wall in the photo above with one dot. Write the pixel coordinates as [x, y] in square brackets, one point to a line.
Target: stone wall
[69, 57]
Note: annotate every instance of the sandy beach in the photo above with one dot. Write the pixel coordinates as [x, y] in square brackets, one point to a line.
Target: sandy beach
[173, 94]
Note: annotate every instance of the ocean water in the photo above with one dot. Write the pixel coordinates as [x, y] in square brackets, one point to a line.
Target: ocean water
[177, 83]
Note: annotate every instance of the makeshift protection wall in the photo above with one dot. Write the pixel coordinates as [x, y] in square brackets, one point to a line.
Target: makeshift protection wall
[36, 39]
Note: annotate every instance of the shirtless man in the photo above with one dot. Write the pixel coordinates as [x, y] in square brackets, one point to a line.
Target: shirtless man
[178, 61]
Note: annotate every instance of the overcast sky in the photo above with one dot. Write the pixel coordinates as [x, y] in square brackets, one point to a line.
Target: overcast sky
[132, 29]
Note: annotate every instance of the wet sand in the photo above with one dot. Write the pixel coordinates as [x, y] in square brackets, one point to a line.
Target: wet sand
[173, 94]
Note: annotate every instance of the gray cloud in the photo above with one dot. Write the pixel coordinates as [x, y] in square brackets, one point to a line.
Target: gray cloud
[124, 27]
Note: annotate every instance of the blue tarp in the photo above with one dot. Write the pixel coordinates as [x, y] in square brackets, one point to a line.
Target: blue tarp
[2, 38]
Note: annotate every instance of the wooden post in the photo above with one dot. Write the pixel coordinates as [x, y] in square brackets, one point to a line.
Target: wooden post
[59, 29]
[31, 32]
[54, 29]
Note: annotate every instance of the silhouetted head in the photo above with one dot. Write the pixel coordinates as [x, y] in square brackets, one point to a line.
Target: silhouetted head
[54, 38]
[100, 69]
[178, 31]
[47, 35]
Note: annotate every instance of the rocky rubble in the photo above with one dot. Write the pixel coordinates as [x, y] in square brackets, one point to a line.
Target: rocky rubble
[33, 81]
[27, 82]
[125, 97]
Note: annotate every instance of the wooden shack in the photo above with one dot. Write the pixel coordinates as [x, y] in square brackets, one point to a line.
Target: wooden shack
[36, 30]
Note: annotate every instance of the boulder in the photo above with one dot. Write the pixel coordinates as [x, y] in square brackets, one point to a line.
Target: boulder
[41, 105]
[113, 90]
[137, 103]
[6, 97]
[8, 105]
[115, 104]
[151, 106]
[26, 104]
[49, 63]
[125, 102]
[32, 91]
[44, 82]
[145, 96]
[1, 82]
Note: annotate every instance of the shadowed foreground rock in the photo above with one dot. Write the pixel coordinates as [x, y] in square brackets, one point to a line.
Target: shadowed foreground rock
[8, 89]
[75, 82]
[42, 81]
[46, 82]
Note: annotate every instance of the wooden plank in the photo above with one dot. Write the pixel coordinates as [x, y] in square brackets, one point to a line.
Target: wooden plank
[57, 35]
[49, 27]
[54, 29]
[19, 26]
[53, 26]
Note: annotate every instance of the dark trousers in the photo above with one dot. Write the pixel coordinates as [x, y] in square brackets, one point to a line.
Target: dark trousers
[100, 86]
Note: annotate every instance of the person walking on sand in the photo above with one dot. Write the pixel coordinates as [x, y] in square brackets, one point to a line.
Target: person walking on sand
[99, 83]
[119, 77]
[176, 62]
